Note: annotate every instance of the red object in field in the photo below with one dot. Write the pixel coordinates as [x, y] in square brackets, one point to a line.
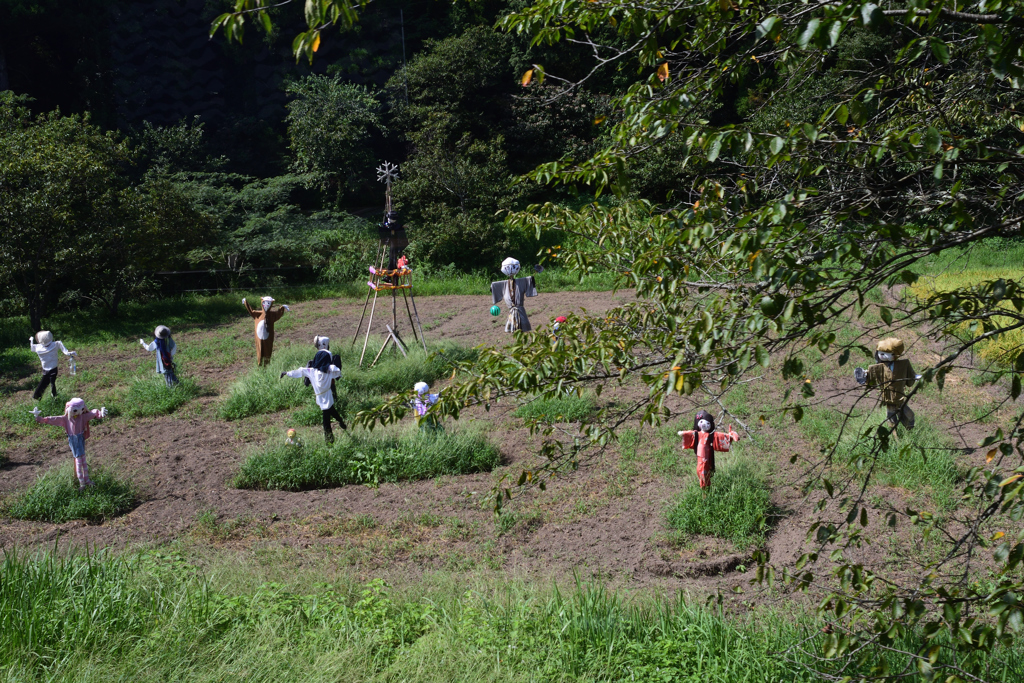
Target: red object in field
[403, 262]
[560, 319]
[707, 444]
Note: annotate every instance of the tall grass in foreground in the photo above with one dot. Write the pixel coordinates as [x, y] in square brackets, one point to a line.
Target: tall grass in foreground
[367, 458]
[262, 390]
[921, 459]
[736, 507]
[54, 497]
[153, 617]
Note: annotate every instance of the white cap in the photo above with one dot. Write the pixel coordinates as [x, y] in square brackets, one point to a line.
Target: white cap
[322, 343]
[510, 266]
[268, 298]
[421, 387]
[44, 337]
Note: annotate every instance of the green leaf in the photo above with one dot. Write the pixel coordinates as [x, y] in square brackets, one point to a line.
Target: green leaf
[761, 356]
[808, 33]
[766, 27]
[932, 140]
[1015, 387]
[885, 314]
[940, 50]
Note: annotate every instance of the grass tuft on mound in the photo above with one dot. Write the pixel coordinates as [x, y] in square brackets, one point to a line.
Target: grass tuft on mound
[563, 409]
[736, 507]
[366, 458]
[262, 390]
[54, 497]
[151, 396]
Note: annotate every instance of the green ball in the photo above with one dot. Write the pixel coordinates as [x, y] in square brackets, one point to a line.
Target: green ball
[495, 309]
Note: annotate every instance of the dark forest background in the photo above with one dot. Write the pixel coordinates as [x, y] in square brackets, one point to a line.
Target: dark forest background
[237, 161]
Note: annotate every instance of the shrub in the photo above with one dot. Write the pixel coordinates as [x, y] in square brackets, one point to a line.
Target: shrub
[151, 396]
[262, 390]
[736, 507]
[54, 497]
[366, 458]
[563, 409]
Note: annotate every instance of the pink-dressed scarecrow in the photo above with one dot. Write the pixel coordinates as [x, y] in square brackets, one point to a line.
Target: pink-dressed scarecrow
[75, 422]
[704, 441]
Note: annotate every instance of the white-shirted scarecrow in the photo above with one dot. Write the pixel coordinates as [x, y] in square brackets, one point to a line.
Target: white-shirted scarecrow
[892, 375]
[320, 376]
[165, 349]
[324, 344]
[265, 318]
[75, 422]
[513, 292]
[47, 350]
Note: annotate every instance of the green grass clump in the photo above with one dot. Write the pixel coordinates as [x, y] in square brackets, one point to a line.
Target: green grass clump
[563, 409]
[921, 459]
[262, 390]
[736, 507]
[366, 458]
[151, 396]
[54, 497]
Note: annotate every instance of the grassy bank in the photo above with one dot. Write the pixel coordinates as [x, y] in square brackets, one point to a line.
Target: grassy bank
[155, 617]
[921, 460]
[203, 311]
[366, 458]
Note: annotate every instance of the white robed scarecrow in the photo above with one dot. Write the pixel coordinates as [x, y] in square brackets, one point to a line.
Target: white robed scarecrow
[513, 292]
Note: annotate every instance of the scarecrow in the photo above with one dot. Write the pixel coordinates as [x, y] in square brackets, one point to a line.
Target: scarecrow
[704, 441]
[892, 375]
[324, 344]
[265, 319]
[421, 404]
[165, 349]
[47, 349]
[75, 422]
[320, 376]
[512, 291]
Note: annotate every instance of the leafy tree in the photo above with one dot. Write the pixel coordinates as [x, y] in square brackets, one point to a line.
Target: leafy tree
[457, 176]
[75, 222]
[330, 123]
[819, 188]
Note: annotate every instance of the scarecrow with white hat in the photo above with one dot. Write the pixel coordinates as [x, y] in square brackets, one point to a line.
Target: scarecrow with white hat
[265, 318]
[513, 292]
[892, 375]
[165, 349]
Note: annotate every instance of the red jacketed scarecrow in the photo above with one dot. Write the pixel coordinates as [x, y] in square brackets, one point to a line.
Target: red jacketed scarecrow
[704, 441]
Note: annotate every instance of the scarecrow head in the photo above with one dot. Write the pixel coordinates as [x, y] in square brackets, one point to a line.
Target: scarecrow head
[75, 407]
[267, 302]
[510, 267]
[421, 388]
[322, 343]
[44, 337]
[889, 350]
[162, 332]
[704, 422]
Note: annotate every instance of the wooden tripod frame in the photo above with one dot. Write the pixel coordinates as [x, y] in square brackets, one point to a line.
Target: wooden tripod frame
[383, 280]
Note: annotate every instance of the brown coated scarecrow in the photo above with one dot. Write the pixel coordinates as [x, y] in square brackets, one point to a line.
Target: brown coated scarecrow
[892, 375]
[265, 319]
